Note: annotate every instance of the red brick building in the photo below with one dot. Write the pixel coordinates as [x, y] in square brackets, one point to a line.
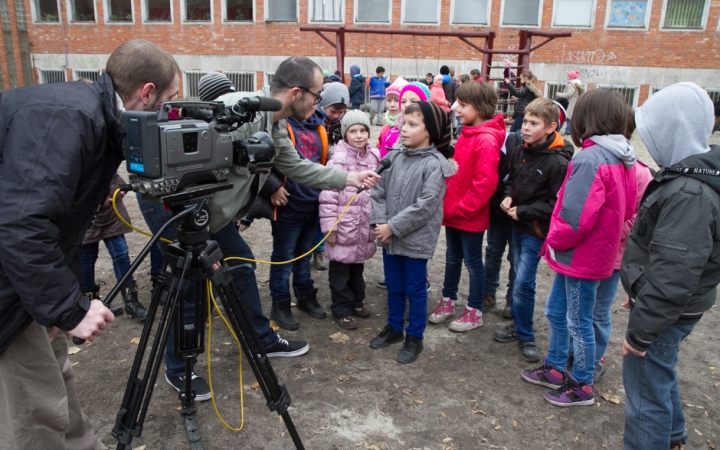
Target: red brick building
[639, 46]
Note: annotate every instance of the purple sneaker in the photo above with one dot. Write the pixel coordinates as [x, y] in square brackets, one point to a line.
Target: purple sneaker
[544, 376]
[571, 393]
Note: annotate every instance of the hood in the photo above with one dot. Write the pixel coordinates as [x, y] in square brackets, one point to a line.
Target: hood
[317, 119]
[619, 146]
[532, 88]
[703, 166]
[447, 79]
[354, 70]
[495, 126]
[355, 152]
[335, 79]
[676, 123]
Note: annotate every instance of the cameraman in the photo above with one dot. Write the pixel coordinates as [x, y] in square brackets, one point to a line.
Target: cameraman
[60, 146]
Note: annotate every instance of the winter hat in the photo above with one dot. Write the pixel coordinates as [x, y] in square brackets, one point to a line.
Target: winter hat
[212, 85]
[563, 115]
[445, 70]
[573, 74]
[420, 89]
[337, 73]
[437, 124]
[508, 63]
[354, 70]
[396, 86]
[326, 73]
[354, 117]
[437, 78]
[334, 94]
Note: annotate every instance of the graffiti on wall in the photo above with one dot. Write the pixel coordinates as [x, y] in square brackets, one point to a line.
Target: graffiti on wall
[598, 56]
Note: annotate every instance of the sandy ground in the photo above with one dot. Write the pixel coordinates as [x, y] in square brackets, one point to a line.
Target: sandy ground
[464, 392]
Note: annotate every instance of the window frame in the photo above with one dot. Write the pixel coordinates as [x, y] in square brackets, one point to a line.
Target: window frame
[267, 78]
[61, 70]
[648, 13]
[593, 16]
[654, 88]
[75, 76]
[242, 72]
[452, 14]
[145, 10]
[183, 14]
[390, 14]
[502, 17]
[704, 20]
[340, 22]
[266, 10]
[636, 87]
[421, 24]
[714, 90]
[106, 14]
[35, 11]
[71, 10]
[223, 5]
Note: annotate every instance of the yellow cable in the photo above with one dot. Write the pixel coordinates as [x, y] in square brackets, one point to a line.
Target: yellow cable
[119, 216]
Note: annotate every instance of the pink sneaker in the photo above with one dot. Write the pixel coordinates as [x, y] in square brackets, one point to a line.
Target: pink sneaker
[470, 319]
[445, 309]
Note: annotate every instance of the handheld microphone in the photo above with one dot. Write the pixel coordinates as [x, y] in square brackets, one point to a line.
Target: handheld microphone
[384, 164]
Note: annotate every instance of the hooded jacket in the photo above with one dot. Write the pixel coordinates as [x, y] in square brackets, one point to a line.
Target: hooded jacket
[54, 175]
[357, 86]
[355, 240]
[598, 196]
[526, 94]
[377, 87]
[536, 175]
[467, 200]
[573, 90]
[671, 266]
[437, 96]
[450, 87]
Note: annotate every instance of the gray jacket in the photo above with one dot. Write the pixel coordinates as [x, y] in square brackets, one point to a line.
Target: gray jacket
[409, 198]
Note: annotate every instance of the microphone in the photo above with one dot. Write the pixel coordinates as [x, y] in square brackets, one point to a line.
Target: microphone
[259, 104]
[384, 164]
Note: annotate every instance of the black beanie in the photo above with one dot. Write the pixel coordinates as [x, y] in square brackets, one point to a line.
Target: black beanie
[437, 124]
[444, 70]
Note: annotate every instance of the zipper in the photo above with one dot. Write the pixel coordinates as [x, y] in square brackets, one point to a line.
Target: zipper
[674, 247]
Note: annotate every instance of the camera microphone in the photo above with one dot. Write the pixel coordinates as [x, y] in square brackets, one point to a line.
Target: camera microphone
[259, 104]
[384, 164]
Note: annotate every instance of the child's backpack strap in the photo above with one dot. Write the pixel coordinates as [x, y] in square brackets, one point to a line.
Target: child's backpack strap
[291, 135]
[324, 141]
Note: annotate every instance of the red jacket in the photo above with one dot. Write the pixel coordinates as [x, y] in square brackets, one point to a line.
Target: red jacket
[467, 200]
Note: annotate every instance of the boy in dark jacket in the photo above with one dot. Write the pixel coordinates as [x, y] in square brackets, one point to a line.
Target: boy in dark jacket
[537, 170]
[671, 266]
[357, 87]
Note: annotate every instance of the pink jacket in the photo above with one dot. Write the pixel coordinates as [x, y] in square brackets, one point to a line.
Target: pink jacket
[388, 138]
[437, 96]
[596, 199]
[644, 177]
[355, 241]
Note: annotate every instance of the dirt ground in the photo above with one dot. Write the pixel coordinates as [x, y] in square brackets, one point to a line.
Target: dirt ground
[464, 392]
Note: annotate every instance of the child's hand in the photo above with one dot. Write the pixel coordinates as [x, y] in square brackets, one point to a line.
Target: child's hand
[332, 238]
[506, 203]
[280, 197]
[512, 212]
[383, 233]
[507, 80]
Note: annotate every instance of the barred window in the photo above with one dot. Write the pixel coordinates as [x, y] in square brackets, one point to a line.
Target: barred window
[87, 74]
[52, 76]
[684, 14]
[190, 86]
[243, 81]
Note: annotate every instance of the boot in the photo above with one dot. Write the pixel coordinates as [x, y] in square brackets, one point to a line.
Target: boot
[507, 311]
[132, 305]
[282, 315]
[94, 294]
[311, 306]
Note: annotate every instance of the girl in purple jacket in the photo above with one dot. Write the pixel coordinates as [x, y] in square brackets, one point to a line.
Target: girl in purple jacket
[596, 199]
[352, 242]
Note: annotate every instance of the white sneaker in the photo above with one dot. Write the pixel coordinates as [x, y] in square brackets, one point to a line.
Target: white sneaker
[444, 309]
[470, 319]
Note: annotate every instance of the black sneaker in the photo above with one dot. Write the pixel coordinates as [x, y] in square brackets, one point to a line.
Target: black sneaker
[311, 306]
[283, 316]
[529, 351]
[287, 349]
[412, 347]
[381, 284]
[199, 385]
[506, 335]
[386, 337]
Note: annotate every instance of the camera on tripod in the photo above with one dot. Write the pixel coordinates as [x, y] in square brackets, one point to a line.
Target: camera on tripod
[171, 156]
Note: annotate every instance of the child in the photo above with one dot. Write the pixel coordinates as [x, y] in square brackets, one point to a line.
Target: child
[407, 214]
[377, 85]
[467, 202]
[572, 92]
[428, 79]
[352, 242]
[357, 87]
[525, 95]
[334, 103]
[410, 93]
[437, 94]
[475, 75]
[597, 197]
[537, 170]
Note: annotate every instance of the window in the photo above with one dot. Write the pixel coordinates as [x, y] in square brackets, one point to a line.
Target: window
[327, 11]
[82, 10]
[119, 11]
[654, 90]
[268, 78]
[714, 94]
[421, 11]
[281, 10]
[239, 11]
[472, 12]
[552, 88]
[197, 11]
[521, 12]
[87, 74]
[190, 86]
[628, 14]
[158, 11]
[243, 81]
[574, 13]
[684, 14]
[374, 11]
[46, 11]
[630, 93]
[52, 76]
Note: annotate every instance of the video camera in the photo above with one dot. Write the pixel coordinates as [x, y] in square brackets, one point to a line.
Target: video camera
[167, 156]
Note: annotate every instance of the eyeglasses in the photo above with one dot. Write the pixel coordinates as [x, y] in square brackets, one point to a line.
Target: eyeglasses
[318, 97]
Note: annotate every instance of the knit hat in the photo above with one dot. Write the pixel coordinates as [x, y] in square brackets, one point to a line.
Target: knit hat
[437, 124]
[396, 86]
[212, 85]
[573, 74]
[420, 89]
[563, 115]
[326, 73]
[508, 63]
[334, 94]
[437, 78]
[354, 117]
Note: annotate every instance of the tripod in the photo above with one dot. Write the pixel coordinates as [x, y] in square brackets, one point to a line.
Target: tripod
[193, 259]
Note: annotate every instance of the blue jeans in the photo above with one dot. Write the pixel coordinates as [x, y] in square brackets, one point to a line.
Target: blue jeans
[499, 234]
[118, 249]
[567, 126]
[464, 245]
[653, 412]
[526, 257]
[294, 234]
[602, 325]
[405, 279]
[517, 124]
[156, 257]
[570, 307]
[319, 237]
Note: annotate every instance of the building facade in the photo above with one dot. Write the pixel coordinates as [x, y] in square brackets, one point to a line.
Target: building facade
[635, 46]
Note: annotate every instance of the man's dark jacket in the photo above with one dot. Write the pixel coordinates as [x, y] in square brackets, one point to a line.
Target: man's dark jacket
[60, 145]
[671, 266]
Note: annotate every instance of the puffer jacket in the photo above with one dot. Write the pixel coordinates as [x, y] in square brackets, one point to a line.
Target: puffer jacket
[644, 176]
[572, 93]
[355, 240]
[526, 94]
[389, 137]
[357, 86]
[437, 96]
[598, 196]
[106, 224]
[467, 200]
[409, 199]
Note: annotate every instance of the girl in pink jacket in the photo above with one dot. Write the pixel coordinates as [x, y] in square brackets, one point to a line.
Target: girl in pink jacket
[353, 241]
[597, 198]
